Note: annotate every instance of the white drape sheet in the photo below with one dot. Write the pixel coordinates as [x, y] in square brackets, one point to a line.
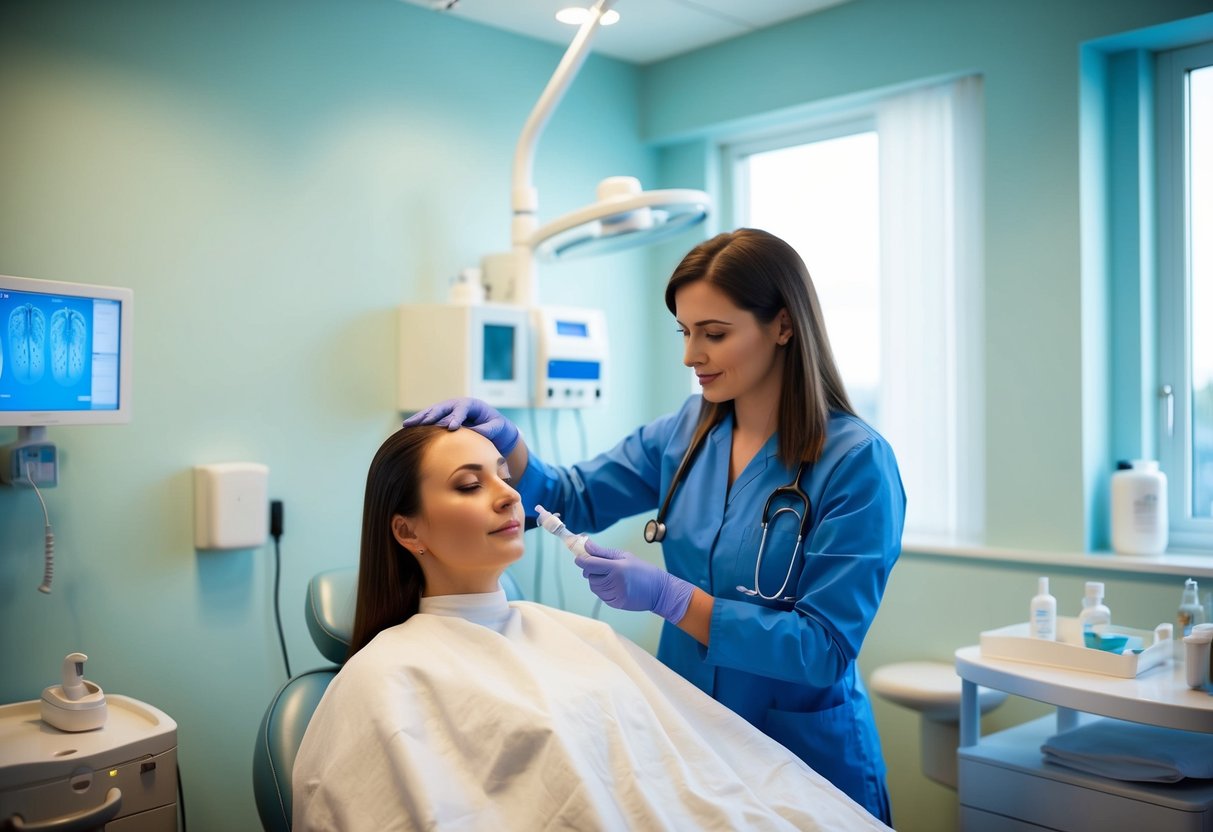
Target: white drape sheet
[483, 714]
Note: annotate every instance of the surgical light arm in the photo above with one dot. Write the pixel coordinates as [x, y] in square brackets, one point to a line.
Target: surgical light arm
[622, 216]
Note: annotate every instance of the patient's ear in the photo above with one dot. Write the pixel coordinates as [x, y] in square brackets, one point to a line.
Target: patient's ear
[785, 330]
[405, 533]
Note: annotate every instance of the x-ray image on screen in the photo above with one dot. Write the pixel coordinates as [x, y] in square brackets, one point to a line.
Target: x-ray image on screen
[59, 352]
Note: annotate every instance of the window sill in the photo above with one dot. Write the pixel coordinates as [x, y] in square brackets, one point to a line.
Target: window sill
[1187, 565]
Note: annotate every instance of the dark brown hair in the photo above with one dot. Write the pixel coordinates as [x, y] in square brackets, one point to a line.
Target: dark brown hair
[762, 274]
[390, 581]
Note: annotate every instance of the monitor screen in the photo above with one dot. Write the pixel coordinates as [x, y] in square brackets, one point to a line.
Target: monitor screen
[498, 352]
[65, 353]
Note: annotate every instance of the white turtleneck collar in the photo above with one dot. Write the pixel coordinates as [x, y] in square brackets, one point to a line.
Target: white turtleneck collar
[490, 609]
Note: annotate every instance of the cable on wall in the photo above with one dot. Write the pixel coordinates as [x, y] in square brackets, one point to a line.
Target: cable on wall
[276, 533]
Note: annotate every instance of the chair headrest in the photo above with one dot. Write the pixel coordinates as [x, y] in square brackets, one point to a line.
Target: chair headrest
[331, 600]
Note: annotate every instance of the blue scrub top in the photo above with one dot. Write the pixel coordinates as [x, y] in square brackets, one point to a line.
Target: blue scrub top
[788, 667]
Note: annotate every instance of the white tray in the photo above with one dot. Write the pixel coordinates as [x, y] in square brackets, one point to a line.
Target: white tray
[1014, 643]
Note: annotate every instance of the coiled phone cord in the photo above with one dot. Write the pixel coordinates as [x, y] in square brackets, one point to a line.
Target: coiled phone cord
[48, 571]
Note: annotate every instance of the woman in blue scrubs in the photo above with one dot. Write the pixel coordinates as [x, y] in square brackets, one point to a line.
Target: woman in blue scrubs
[766, 623]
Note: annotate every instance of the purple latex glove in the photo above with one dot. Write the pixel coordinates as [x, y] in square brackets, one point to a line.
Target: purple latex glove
[627, 582]
[472, 413]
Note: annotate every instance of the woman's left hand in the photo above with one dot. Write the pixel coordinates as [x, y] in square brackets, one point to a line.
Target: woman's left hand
[627, 582]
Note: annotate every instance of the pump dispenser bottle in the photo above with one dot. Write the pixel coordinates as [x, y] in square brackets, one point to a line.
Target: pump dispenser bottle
[1191, 612]
[1094, 613]
[1043, 612]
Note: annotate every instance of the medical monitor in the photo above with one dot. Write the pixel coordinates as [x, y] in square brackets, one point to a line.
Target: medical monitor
[65, 353]
[452, 349]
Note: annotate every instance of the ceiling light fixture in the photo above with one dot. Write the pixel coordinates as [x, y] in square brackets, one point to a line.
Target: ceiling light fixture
[575, 16]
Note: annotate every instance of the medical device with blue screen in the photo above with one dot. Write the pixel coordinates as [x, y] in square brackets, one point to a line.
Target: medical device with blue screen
[65, 353]
[509, 356]
[450, 349]
[571, 353]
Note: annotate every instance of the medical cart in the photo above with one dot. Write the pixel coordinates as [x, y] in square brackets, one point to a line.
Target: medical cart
[1005, 785]
[121, 777]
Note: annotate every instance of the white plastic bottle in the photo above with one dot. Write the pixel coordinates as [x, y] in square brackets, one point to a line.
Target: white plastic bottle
[467, 288]
[1043, 612]
[1139, 509]
[1191, 612]
[1094, 613]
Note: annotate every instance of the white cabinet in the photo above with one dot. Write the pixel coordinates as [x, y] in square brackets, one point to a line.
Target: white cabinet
[121, 777]
[1004, 783]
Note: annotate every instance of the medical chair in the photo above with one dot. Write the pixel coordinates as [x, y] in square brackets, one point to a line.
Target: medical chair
[329, 611]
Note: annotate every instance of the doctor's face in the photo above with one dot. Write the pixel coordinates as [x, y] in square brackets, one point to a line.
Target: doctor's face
[470, 524]
[734, 355]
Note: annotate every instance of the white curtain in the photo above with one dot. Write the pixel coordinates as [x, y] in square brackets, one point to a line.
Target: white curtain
[931, 279]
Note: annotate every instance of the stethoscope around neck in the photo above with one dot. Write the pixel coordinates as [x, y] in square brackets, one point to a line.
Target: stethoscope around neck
[655, 529]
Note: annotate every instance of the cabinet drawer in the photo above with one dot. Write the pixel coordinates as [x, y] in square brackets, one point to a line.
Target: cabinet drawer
[975, 820]
[1005, 775]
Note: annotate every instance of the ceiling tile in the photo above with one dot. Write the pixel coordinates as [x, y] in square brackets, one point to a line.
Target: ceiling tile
[648, 30]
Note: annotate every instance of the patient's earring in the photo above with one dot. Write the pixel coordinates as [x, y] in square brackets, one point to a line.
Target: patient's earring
[421, 551]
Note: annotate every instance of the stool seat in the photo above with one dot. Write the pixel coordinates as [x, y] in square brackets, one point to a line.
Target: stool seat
[933, 688]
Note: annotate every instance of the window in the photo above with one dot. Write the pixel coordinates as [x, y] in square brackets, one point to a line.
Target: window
[883, 203]
[840, 226]
[1185, 284]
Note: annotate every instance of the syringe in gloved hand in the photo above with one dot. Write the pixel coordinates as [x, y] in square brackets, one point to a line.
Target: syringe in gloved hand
[575, 543]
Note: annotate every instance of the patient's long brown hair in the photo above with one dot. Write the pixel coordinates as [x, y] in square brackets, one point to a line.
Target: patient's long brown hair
[390, 581]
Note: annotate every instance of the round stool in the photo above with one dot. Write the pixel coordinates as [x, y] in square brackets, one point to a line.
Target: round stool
[932, 689]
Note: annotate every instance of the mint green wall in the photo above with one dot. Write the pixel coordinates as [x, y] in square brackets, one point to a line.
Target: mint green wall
[1054, 250]
[272, 179]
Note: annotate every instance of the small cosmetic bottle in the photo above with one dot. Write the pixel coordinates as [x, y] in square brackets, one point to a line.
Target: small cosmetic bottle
[1190, 612]
[1094, 613]
[1198, 656]
[1043, 612]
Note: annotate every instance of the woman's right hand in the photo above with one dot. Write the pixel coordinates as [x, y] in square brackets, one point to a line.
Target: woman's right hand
[471, 413]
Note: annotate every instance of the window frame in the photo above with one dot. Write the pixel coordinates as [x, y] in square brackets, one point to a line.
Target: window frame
[1174, 344]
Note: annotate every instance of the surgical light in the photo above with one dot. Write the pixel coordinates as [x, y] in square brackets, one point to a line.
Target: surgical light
[623, 216]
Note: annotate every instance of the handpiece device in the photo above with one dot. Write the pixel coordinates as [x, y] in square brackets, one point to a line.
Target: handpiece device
[552, 523]
[72, 673]
[75, 704]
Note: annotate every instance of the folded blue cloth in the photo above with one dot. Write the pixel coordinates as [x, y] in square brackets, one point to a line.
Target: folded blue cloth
[1129, 751]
